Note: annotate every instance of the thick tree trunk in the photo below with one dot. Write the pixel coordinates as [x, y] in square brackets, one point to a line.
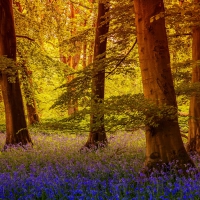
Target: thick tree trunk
[16, 127]
[194, 111]
[97, 129]
[163, 143]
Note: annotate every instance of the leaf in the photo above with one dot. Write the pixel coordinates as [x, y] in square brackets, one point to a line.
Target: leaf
[162, 14]
[183, 12]
[157, 17]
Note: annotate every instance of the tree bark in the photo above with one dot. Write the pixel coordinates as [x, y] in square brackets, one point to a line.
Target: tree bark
[163, 143]
[194, 110]
[16, 127]
[97, 130]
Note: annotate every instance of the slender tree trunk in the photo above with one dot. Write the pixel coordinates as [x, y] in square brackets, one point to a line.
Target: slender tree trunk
[72, 61]
[97, 129]
[1, 95]
[84, 55]
[73, 105]
[163, 143]
[16, 127]
[85, 50]
[31, 107]
[33, 117]
[194, 111]
[90, 56]
[91, 44]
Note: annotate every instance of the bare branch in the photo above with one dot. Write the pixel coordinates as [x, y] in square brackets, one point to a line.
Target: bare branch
[179, 35]
[119, 63]
[84, 6]
[26, 37]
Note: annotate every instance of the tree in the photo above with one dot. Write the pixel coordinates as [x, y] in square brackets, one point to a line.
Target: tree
[33, 117]
[97, 129]
[87, 60]
[194, 111]
[163, 142]
[16, 127]
[73, 61]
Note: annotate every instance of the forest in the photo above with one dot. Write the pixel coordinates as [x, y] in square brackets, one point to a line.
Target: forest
[100, 99]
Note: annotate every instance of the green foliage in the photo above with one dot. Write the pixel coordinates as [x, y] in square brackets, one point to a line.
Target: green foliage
[2, 127]
[45, 31]
[122, 112]
[188, 89]
[8, 66]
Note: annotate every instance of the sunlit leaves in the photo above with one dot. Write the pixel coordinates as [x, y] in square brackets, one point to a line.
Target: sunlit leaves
[157, 17]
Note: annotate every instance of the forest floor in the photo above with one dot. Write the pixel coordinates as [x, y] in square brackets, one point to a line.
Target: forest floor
[55, 169]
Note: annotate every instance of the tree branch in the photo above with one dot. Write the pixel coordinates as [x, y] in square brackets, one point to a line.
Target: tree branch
[79, 4]
[179, 35]
[26, 37]
[119, 63]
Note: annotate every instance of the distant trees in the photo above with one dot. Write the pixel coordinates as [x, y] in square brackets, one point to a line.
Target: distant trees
[16, 127]
[163, 143]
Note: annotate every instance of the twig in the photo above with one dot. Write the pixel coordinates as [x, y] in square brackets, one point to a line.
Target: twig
[26, 37]
[84, 6]
[178, 35]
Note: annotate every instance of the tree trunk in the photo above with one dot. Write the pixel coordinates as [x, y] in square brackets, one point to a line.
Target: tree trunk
[97, 129]
[33, 117]
[72, 60]
[85, 50]
[16, 127]
[194, 111]
[84, 55]
[90, 56]
[91, 44]
[73, 63]
[163, 143]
